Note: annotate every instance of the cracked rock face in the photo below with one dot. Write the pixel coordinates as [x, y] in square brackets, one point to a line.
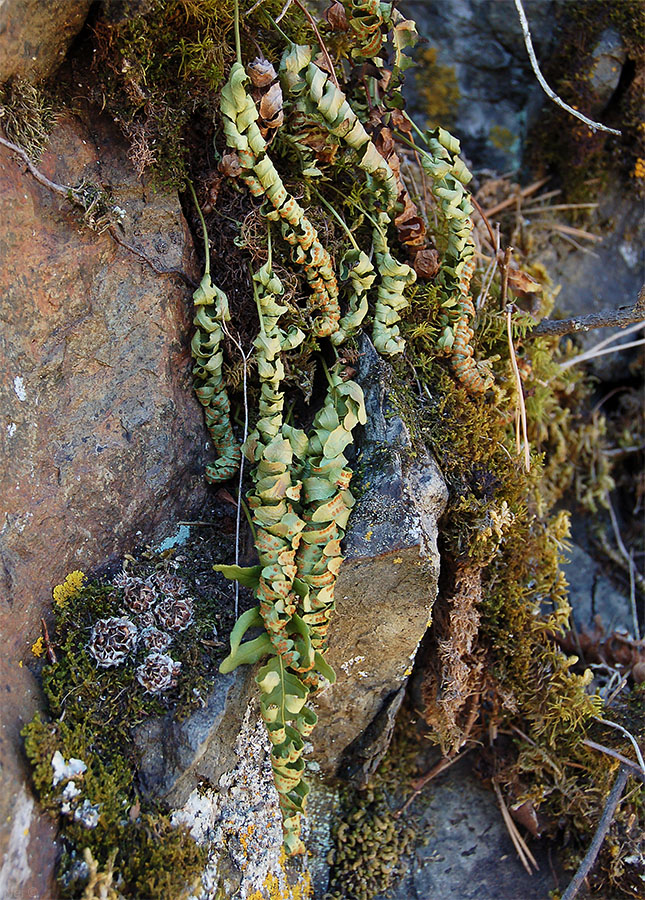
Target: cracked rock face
[101, 441]
[387, 584]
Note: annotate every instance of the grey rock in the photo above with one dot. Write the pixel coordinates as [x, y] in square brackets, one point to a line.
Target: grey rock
[387, 584]
[591, 594]
[467, 853]
[609, 56]
[35, 35]
[499, 96]
[174, 757]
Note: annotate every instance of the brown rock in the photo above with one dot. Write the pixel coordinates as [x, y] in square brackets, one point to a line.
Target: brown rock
[101, 441]
[35, 35]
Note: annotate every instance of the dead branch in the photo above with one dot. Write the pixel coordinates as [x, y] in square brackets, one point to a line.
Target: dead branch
[606, 318]
[634, 769]
[551, 94]
[603, 827]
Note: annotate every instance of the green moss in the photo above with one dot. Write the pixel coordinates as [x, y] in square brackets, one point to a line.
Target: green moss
[27, 116]
[370, 840]
[92, 713]
[158, 73]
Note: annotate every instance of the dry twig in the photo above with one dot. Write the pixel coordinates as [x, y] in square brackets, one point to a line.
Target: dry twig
[633, 768]
[525, 855]
[603, 827]
[606, 318]
[551, 94]
[323, 46]
[520, 390]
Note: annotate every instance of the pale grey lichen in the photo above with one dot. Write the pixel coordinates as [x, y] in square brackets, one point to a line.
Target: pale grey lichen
[240, 821]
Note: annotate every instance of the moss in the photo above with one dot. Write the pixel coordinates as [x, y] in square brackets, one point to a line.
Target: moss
[158, 72]
[92, 713]
[28, 115]
[370, 840]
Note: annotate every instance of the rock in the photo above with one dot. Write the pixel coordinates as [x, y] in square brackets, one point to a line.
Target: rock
[388, 582]
[591, 594]
[34, 36]
[102, 443]
[174, 757]
[481, 41]
[609, 56]
[467, 852]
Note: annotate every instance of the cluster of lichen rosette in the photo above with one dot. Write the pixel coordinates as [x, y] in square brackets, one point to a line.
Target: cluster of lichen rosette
[301, 502]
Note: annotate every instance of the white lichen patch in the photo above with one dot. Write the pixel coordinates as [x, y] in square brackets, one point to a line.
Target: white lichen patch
[19, 388]
[346, 666]
[64, 770]
[241, 824]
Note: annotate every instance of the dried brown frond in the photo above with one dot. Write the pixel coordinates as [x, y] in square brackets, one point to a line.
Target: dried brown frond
[454, 677]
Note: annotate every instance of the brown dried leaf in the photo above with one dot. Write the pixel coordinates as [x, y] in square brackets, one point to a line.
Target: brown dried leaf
[521, 283]
[400, 121]
[525, 814]
[230, 165]
[426, 264]
[261, 72]
[336, 16]
[271, 111]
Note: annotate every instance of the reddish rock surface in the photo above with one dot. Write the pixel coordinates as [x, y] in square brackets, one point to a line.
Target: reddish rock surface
[34, 35]
[102, 444]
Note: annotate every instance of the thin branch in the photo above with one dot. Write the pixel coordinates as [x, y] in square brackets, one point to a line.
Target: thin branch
[630, 562]
[520, 390]
[525, 855]
[633, 768]
[630, 737]
[419, 783]
[238, 514]
[61, 189]
[525, 192]
[603, 827]
[606, 318]
[323, 47]
[116, 237]
[484, 218]
[595, 126]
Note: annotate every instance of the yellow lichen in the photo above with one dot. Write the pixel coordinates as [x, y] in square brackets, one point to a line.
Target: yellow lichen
[277, 887]
[639, 168]
[69, 589]
[38, 647]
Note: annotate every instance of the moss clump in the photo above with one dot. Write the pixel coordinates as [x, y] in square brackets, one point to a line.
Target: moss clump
[27, 116]
[158, 72]
[370, 840]
[92, 713]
